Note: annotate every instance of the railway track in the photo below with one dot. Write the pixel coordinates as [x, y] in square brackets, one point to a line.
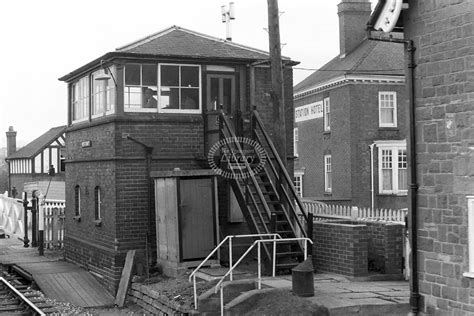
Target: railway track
[18, 296]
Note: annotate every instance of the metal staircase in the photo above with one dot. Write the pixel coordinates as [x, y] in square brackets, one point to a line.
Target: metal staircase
[262, 186]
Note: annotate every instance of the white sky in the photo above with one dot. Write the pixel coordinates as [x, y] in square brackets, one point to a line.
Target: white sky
[44, 40]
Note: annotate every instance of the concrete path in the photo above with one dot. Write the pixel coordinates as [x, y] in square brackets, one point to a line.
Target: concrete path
[345, 297]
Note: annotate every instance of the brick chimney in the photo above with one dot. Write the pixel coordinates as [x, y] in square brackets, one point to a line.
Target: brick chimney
[11, 141]
[353, 17]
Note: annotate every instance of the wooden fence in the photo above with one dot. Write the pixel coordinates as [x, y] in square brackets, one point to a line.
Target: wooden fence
[322, 211]
[12, 220]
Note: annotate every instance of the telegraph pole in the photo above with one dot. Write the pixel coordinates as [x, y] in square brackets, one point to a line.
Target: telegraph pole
[277, 94]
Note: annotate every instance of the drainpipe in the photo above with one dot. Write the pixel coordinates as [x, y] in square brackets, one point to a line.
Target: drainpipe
[372, 193]
[412, 194]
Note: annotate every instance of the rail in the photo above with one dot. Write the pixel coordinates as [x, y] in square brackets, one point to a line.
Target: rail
[227, 238]
[219, 287]
[22, 297]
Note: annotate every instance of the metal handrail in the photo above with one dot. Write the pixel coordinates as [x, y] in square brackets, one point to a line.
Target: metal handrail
[285, 173]
[193, 274]
[22, 297]
[258, 243]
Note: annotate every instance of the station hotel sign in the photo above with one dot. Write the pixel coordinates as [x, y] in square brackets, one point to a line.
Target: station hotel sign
[309, 111]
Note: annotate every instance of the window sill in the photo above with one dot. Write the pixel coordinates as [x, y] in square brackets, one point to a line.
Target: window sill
[388, 128]
[468, 275]
[98, 222]
[327, 193]
[393, 194]
[77, 218]
[326, 132]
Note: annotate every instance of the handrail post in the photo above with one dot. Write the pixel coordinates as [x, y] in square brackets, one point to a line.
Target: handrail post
[230, 257]
[259, 267]
[195, 293]
[274, 257]
[305, 249]
[222, 301]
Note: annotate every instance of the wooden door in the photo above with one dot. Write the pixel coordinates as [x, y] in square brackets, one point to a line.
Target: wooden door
[196, 217]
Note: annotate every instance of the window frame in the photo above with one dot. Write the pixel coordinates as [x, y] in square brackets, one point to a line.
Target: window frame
[328, 174]
[109, 92]
[394, 147]
[299, 189]
[470, 237]
[77, 201]
[145, 110]
[394, 108]
[97, 203]
[327, 114]
[87, 85]
[178, 111]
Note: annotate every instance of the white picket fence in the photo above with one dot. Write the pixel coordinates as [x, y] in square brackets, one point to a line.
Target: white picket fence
[322, 211]
[12, 220]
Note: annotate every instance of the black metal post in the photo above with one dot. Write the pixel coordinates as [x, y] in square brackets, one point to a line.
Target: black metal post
[41, 228]
[34, 207]
[310, 233]
[26, 241]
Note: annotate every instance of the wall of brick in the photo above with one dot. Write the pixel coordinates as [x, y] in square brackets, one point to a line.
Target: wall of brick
[443, 36]
[340, 248]
[385, 247]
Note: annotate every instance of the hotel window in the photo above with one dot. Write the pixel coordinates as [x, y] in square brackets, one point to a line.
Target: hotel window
[387, 109]
[470, 236]
[77, 198]
[103, 93]
[180, 88]
[295, 141]
[298, 182]
[140, 88]
[327, 174]
[327, 114]
[97, 203]
[393, 171]
[80, 100]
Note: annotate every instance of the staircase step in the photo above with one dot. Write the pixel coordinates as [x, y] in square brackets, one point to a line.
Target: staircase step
[286, 266]
[289, 254]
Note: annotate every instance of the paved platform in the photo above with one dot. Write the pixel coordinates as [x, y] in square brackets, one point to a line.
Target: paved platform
[57, 279]
[343, 296]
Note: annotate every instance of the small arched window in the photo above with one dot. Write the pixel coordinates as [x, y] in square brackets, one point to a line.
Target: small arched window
[97, 202]
[77, 199]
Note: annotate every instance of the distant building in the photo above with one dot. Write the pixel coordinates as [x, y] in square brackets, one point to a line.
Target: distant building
[29, 166]
[442, 33]
[350, 124]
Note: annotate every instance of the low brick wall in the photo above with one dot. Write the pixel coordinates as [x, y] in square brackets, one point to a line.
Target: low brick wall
[340, 247]
[354, 248]
[154, 303]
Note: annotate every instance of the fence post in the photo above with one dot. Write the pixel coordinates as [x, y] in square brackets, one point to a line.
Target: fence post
[354, 212]
[34, 205]
[25, 220]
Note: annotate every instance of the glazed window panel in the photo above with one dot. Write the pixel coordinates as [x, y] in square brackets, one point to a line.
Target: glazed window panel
[393, 169]
[387, 109]
[295, 140]
[327, 114]
[80, 99]
[180, 88]
[327, 174]
[97, 203]
[77, 200]
[140, 88]
[103, 93]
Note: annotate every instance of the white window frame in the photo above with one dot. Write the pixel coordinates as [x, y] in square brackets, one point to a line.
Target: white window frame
[327, 114]
[77, 97]
[394, 147]
[298, 178]
[295, 141]
[136, 109]
[383, 95]
[328, 174]
[187, 111]
[107, 94]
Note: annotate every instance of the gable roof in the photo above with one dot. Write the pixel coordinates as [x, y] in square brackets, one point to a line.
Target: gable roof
[36, 146]
[178, 42]
[368, 58]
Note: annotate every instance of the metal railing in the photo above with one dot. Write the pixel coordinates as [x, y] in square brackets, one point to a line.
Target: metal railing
[258, 243]
[227, 238]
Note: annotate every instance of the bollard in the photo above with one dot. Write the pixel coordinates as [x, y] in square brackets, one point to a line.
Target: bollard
[303, 279]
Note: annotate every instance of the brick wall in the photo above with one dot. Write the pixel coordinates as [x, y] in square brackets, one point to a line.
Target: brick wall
[443, 35]
[340, 248]
[354, 248]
